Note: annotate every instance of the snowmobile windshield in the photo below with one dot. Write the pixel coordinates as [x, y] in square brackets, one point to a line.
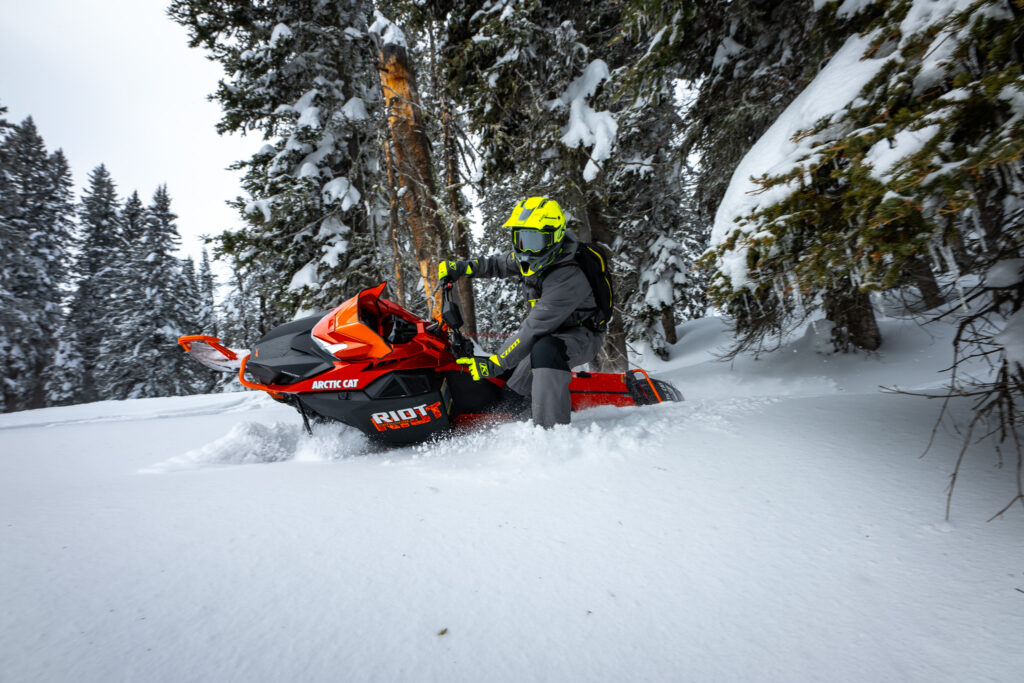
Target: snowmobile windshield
[533, 241]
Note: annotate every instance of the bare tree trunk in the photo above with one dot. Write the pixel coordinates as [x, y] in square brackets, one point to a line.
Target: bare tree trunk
[924, 280]
[613, 356]
[854, 319]
[455, 203]
[668, 325]
[411, 154]
[460, 231]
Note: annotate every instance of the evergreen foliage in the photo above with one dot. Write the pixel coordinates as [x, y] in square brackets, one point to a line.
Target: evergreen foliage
[922, 168]
[745, 61]
[96, 286]
[36, 210]
[165, 306]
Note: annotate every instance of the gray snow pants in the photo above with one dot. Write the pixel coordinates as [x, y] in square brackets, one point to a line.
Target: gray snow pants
[544, 375]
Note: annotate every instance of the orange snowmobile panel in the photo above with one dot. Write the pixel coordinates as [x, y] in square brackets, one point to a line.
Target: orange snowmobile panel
[350, 324]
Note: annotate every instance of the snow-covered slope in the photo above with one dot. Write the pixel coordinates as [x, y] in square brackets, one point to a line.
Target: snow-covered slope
[779, 525]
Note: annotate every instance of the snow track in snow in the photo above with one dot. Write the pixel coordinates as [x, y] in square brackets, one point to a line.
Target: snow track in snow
[627, 429]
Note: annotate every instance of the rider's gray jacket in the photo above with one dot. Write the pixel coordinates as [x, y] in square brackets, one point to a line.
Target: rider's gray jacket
[560, 298]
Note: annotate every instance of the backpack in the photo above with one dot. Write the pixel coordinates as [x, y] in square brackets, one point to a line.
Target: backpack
[595, 262]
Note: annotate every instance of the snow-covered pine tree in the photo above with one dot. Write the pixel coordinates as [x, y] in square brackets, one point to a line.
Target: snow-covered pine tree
[744, 61]
[206, 317]
[73, 378]
[6, 251]
[117, 374]
[303, 73]
[195, 378]
[651, 199]
[162, 308]
[247, 312]
[917, 171]
[36, 210]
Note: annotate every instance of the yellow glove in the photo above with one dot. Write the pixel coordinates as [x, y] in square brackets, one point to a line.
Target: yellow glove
[481, 368]
[453, 270]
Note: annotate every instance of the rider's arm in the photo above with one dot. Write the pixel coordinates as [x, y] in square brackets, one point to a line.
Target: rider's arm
[497, 265]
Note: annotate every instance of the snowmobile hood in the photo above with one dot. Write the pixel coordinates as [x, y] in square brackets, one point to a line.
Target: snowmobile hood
[353, 330]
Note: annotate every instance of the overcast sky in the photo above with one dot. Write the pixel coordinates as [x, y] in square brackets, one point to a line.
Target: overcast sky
[114, 82]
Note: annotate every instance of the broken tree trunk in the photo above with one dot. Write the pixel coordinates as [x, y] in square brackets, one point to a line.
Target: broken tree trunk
[409, 152]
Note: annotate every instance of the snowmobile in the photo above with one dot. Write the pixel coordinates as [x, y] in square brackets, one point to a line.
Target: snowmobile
[373, 365]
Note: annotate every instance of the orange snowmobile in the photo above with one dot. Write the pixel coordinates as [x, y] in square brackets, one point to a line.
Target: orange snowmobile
[373, 365]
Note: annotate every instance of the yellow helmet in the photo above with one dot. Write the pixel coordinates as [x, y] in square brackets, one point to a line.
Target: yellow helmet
[538, 227]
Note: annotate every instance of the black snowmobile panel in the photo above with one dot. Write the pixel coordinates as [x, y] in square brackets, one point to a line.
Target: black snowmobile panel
[399, 421]
[472, 397]
[288, 354]
[301, 325]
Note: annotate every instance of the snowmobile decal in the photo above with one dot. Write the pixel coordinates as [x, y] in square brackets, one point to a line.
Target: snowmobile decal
[406, 417]
[335, 384]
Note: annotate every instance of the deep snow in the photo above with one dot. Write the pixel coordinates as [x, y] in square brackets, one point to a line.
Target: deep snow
[778, 525]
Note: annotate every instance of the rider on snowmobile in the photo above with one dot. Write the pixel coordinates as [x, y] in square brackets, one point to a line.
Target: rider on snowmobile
[561, 330]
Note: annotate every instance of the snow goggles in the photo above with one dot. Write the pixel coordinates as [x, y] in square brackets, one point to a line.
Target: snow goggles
[533, 240]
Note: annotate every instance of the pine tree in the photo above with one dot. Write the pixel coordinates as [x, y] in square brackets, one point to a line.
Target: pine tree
[162, 308]
[196, 379]
[206, 317]
[302, 72]
[117, 375]
[744, 61]
[247, 312]
[919, 174]
[96, 287]
[855, 216]
[35, 231]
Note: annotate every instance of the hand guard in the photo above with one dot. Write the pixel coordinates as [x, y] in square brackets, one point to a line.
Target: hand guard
[453, 270]
[481, 368]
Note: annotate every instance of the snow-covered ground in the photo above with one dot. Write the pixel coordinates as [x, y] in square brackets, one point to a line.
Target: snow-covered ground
[778, 525]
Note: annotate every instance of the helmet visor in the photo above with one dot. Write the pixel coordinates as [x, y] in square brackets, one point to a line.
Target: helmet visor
[532, 240]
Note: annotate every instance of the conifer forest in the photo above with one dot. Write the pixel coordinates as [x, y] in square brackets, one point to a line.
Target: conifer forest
[772, 162]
